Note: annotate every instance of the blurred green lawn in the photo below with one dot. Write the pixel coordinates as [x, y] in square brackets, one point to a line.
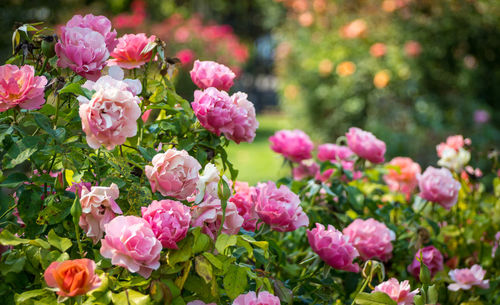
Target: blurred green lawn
[256, 161]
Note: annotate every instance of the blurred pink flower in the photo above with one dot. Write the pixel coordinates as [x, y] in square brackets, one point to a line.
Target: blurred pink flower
[366, 145]
[207, 74]
[333, 247]
[399, 292]
[354, 29]
[439, 186]
[279, 207]
[372, 239]
[130, 243]
[186, 56]
[378, 49]
[243, 200]
[295, 145]
[128, 53]
[404, 177]
[305, 169]
[495, 244]
[466, 278]
[133, 20]
[251, 298]
[413, 48]
[169, 220]
[20, 87]
[333, 152]
[431, 257]
[452, 142]
[481, 116]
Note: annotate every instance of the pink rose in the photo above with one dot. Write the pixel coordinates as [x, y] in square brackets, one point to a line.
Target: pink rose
[399, 292]
[279, 207]
[169, 221]
[128, 53]
[98, 208]
[306, 169]
[198, 302]
[214, 110]
[114, 79]
[378, 49]
[454, 142]
[333, 247]
[207, 74]
[208, 216]
[371, 238]
[77, 188]
[20, 86]
[366, 145]
[85, 45]
[110, 117]
[294, 145]
[404, 176]
[243, 200]
[131, 243]
[243, 117]
[493, 250]
[186, 56]
[334, 153]
[174, 173]
[251, 298]
[431, 257]
[466, 278]
[438, 185]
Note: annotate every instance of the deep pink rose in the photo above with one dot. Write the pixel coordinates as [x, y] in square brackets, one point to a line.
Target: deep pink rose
[306, 169]
[131, 243]
[20, 86]
[72, 277]
[174, 173]
[110, 117]
[399, 292]
[243, 117]
[403, 175]
[100, 24]
[243, 200]
[294, 145]
[366, 145]
[371, 238]
[251, 298]
[98, 208]
[214, 109]
[207, 74]
[438, 185]
[186, 56]
[431, 257]
[279, 207]
[169, 221]
[208, 216]
[128, 53]
[466, 278]
[333, 247]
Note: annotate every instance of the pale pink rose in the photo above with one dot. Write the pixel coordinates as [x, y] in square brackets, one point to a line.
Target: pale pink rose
[243, 200]
[306, 169]
[294, 145]
[371, 238]
[431, 257]
[439, 186]
[399, 292]
[454, 142]
[20, 86]
[100, 24]
[174, 173]
[333, 247]
[251, 298]
[207, 185]
[131, 243]
[169, 220]
[83, 49]
[207, 74]
[114, 79]
[466, 278]
[378, 49]
[98, 208]
[366, 145]
[198, 302]
[214, 109]
[243, 117]
[208, 216]
[128, 53]
[403, 175]
[493, 250]
[279, 207]
[110, 117]
[413, 48]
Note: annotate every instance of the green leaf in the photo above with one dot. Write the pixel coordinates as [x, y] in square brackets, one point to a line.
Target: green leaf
[213, 259]
[235, 281]
[9, 239]
[22, 151]
[14, 180]
[224, 241]
[25, 296]
[131, 297]
[356, 198]
[203, 268]
[182, 254]
[375, 298]
[75, 88]
[282, 292]
[432, 295]
[148, 153]
[60, 243]
[418, 300]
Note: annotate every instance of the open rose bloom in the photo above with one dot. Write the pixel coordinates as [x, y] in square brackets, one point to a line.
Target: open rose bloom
[399, 292]
[466, 278]
[366, 145]
[129, 54]
[243, 200]
[439, 186]
[206, 74]
[251, 298]
[20, 87]
[295, 145]
[72, 277]
[372, 239]
[403, 175]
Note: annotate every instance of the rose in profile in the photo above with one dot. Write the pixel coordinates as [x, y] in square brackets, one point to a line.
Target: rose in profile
[372, 239]
[279, 207]
[333, 247]
[244, 120]
[466, 278]
[295, 145]
[399, 292]
[72, 277]
[431, 257]
[20, 87]
[439, 186]
[128, 53]
[131, 243]
[366, 145]
[173, 173]
[206, 74]
[251, 298]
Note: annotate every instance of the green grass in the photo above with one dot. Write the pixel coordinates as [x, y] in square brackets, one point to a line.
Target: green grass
[256, 161]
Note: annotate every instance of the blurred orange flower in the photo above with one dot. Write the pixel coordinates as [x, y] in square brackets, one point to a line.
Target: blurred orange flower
[346, 68]
[325, 67]
[306, 19]
[381, 79]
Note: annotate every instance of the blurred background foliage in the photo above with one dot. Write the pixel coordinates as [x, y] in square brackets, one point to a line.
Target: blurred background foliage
[412, 72]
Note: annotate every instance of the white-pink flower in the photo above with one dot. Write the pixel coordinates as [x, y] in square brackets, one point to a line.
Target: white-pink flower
[399, 292]
[251, 298]
[466, 278]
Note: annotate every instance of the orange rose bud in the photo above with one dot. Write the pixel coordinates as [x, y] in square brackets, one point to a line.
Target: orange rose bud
[72, 277]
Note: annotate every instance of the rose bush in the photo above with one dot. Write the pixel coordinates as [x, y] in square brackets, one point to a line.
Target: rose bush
[107, 203]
